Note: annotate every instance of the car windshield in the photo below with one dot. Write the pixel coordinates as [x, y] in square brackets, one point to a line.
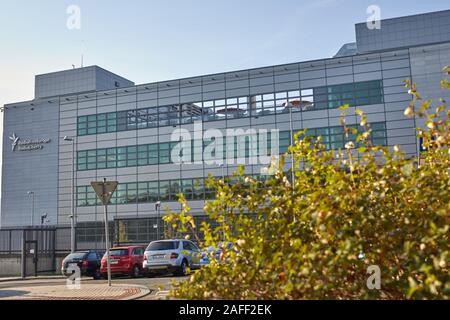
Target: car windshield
[162, 245]
[76, 255]
[118, 252]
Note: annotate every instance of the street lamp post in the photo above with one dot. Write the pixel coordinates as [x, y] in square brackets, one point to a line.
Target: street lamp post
[72, 213]
[31, 194]
[222, 165]
[158, 210]
[290, 106]
[223, 174]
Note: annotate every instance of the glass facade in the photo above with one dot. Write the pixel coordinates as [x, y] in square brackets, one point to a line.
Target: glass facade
[144, 230]
[152, 191]
[335, 138]
[196, 189]
[326, 97]
[149, 192]
[160, 153]
[92, 233]
[242, 102]
[353, 94]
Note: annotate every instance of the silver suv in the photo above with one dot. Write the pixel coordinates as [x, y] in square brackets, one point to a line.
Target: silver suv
[171, 256]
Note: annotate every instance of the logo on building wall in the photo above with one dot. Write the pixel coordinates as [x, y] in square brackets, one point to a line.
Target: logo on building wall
[27, 144]
[14, 141]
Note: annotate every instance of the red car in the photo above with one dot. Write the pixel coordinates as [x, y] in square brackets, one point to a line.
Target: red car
[124, 260]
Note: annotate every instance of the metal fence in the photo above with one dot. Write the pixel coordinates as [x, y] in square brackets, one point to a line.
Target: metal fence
[34, 247]
[11, 241]
[88, 235]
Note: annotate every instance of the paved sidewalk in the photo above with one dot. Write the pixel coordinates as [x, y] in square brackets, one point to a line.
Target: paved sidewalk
[99, 291]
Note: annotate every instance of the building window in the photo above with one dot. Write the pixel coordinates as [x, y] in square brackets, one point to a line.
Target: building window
[164, 190]
[164, 153]
[82, 160]
[153, 191]
[196, 189]
[143, 192]
[82, 126]
[111, 122]
[326, 97]
[89, 234]
[153, 154]
[335, 137]
[147, 192]
[111, 158]
[120, 194]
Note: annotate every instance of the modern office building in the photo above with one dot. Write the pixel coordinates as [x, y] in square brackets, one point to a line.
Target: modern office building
[87, 124]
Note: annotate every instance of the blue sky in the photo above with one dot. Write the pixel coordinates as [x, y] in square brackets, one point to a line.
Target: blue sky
[148, 41]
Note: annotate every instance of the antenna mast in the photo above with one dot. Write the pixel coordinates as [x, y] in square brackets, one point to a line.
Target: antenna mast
[82, 53]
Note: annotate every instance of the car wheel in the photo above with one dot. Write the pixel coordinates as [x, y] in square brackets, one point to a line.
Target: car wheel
[183, 268]
[135, 272]
[97, 274]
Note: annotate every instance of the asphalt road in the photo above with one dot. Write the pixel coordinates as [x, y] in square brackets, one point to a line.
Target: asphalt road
[158, 285]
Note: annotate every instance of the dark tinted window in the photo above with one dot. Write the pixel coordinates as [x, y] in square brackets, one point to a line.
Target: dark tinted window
[194, 247]
[162, 245]
[187, 245]
[138, 252]
[92, 256]
[119, 252]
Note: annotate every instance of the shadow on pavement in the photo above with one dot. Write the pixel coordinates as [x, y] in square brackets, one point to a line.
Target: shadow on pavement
[12, 293]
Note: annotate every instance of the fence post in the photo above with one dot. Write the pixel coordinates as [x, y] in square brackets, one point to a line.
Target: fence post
[55, 267]
[10, 242]
[23, 258]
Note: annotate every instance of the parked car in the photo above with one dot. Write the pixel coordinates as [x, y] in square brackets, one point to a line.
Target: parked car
[215, 253]
[88, 261]
[124, 260]
[171, 256]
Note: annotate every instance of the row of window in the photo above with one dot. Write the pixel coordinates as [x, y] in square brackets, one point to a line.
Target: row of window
[354, 94]
[196, 189]
[334, 138]
[161, 153]
[144, 230]
[138, 230]
[153, 191]
[127, 231]
[91, 233]
[149, 192]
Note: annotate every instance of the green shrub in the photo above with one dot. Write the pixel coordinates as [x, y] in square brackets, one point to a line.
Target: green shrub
[347, 210]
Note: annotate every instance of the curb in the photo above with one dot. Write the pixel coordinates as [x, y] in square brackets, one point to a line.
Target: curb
[149, 291]
[143, 291]
[34, 278]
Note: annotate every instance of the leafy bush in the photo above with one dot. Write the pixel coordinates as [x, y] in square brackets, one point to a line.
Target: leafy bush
[347, 210]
